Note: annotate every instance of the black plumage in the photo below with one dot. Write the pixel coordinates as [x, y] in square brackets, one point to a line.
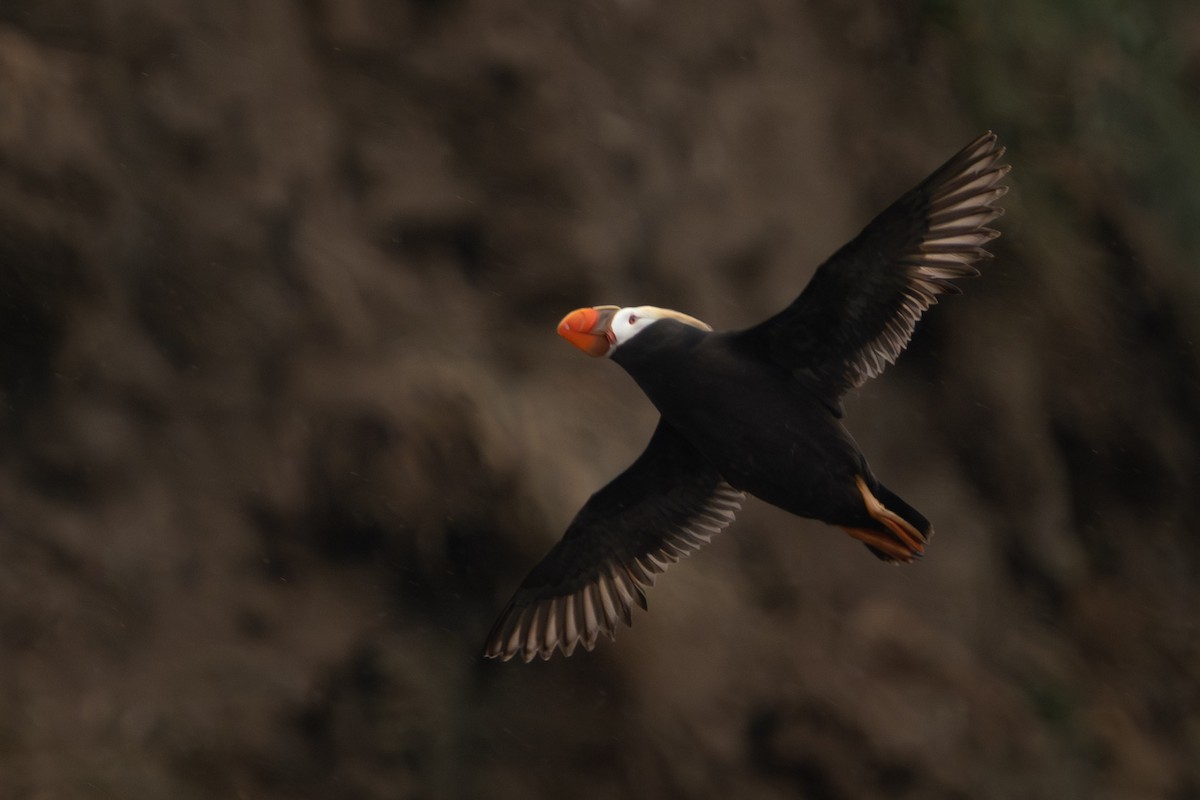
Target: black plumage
[756, 411]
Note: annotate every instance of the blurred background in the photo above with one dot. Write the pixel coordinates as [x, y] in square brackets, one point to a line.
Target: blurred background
[284, 421]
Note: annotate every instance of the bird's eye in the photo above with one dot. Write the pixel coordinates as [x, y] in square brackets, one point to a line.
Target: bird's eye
[632, 318]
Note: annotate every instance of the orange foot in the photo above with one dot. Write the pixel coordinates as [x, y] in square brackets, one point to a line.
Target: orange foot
[905, 542]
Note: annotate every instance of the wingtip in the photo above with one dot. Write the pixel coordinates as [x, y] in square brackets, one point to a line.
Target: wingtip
[536, 627]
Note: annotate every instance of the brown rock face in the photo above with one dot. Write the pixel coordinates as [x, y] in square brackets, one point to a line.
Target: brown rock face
[283, 418]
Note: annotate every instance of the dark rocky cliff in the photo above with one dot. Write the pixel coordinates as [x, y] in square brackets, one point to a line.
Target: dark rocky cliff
[284, 418]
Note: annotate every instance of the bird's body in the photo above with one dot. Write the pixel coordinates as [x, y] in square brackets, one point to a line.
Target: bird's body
[756, 411]
[762, 430]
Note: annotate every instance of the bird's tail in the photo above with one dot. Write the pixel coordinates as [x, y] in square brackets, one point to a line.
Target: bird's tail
[898, 532]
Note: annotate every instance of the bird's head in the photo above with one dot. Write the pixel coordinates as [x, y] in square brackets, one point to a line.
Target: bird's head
[600, 330]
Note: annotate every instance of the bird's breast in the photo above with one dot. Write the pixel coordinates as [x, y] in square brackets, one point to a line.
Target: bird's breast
[765, 433]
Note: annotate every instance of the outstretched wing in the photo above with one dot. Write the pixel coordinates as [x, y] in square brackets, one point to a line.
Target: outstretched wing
[668, 503]
[858, 312]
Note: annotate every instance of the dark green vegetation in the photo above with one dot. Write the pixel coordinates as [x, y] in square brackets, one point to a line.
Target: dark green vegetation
[285, 419]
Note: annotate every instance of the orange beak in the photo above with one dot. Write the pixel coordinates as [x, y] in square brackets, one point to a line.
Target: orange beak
[588, 329]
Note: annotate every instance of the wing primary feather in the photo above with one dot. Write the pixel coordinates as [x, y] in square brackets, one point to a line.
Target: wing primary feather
[533, 633]
[551, 639]
[959, 261]
[649, 565]
[570, 623]
[658, 561]
[964, 236]
[622, 587]
[970, 183]
[637, 586]
[965, 255]
[499, 635]
[639, 573]
[672, 551]
[966, 216]
[591, 625]
[513, 644]
[608, 603]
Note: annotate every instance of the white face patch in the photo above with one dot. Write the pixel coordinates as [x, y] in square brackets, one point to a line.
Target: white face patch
[629, 322]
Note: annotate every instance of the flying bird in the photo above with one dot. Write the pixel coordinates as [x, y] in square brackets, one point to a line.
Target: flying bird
[756, 411]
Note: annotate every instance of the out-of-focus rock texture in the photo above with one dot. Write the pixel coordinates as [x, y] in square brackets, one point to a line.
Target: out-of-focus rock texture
[283, 418]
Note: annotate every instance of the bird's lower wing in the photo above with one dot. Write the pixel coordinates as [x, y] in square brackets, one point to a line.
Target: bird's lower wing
[668, 503]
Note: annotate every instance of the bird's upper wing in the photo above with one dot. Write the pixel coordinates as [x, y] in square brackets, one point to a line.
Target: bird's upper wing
[858, 312]
[668, 503]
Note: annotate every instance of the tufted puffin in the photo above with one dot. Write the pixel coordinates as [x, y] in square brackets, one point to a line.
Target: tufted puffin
[756, 411]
